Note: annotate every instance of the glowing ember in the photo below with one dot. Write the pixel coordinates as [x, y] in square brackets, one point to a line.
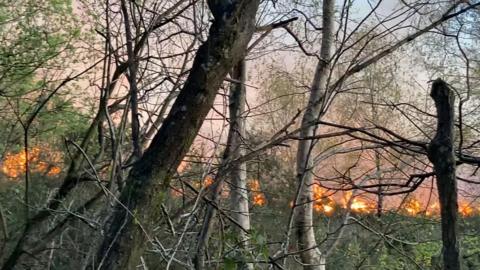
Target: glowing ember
[208, 181]
[14, 165]
[258, 198]
[54, 171]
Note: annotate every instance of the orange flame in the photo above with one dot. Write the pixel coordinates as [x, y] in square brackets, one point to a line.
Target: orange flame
[258, 198]
[328, 204]
[361, 205]
[357, 204]
[432, 210]
[14, 165]
[322, 203]
[208, 181]
[412, 206]
[465, 209]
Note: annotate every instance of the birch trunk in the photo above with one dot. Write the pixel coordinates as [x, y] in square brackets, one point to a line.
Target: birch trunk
[311, 257]
[237, 172]
[238, 176]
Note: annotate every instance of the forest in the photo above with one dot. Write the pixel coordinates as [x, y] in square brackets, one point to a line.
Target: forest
[240, 134]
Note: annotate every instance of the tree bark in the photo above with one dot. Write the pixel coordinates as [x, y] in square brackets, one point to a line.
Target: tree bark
[132, 81]
[127, 233]
[441, 154]
[238, 175]
[311, 257]
[236, 171]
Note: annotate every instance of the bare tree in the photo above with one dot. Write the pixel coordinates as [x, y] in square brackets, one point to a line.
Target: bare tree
[128, 232]
[441, 154]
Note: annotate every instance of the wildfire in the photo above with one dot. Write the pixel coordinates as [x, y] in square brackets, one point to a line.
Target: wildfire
[360, 205]
[258, 198]
[412, 206]
[208, 181]
[14, 165]
[432, 210]
[357, 204]
[465, 209]
[322, 203]
[327, 204]
[178, 191]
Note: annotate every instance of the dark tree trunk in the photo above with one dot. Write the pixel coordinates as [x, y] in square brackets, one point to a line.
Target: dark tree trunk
[441, 154]
[129, 231]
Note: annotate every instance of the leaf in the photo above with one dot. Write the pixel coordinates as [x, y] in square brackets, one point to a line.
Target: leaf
[229, 264]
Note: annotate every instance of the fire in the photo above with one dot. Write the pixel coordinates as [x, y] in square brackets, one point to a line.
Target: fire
[14, 165]
[322, 203]
[318, 193]
[54, 171]
[328, 209]
[179, 192]
[465, 209]
[412, 207]
[432, 210]
[208, 181]
[326, 206]
[360, 205]
[357, 204]
[258, 198]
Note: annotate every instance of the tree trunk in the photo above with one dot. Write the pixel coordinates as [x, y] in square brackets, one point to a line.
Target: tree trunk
[204, 233]
[130, 229]
[311, 257]
[441, 154]
[237, 172]
[238, 175]
[132, 81]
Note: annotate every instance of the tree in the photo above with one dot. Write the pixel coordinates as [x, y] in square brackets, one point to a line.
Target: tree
[143, 167]
[303, 207]
[441, 154]
[137, 212]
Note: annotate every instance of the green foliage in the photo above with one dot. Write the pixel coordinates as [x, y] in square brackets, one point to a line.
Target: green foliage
[426, 251]
[35, 38]
[32, 34]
